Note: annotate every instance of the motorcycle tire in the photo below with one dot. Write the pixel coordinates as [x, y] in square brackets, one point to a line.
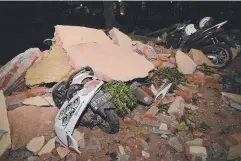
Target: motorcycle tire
[59, 93]
[223, 47]
[111, 124]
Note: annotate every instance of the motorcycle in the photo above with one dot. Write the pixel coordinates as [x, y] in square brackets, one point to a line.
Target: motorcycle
[81, 100]
[211, 40]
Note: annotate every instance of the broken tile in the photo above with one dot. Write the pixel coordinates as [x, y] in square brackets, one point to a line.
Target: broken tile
[48, 147]
[121, 149]
[51, 68]
[184, 63]
[175, 144]
[177, 107]
[63, 151]
[5, 141]
[199, 58]
[145, 154]
[36, 101]
[35, 144]
[197, 78]
[28, 122]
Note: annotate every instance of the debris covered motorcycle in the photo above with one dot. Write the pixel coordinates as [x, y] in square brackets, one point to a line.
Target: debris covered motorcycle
[211, 40]
[81, 100]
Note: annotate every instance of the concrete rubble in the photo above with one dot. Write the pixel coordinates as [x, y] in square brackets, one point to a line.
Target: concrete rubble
[63, 151]
[177, 125]
[28, 122]
[184, 63]
[36, 144]
[48, 147]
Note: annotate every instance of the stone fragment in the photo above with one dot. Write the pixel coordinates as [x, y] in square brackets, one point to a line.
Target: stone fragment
[198, 151]
[142, 143]
[28, 122]
[175, 144]
[48, 147]
[145, 154]
[199, 58]
[63, 151]
[184, 63]
[5, 141]
[121, 150]
[51, 68]
[36, 101]
[195, 142]
[177, 107]
[235, 138]
[217, 149]
[35, 144]
[234, 152]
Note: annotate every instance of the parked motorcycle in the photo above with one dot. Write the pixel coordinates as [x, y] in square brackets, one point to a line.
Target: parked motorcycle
[211, 40]
[82, 101]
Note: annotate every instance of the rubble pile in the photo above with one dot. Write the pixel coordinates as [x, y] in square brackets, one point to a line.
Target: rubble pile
[188, 117]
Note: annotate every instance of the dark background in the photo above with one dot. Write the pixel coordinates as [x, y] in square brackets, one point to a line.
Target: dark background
[27, 24]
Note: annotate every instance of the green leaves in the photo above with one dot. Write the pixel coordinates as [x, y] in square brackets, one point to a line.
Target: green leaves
[122, 95]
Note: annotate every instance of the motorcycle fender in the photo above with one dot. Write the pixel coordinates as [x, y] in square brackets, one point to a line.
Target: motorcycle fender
[69, 114]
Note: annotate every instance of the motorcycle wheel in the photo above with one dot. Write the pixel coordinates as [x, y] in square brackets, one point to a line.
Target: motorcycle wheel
[59, 93]
[111, 124]
[219, 54]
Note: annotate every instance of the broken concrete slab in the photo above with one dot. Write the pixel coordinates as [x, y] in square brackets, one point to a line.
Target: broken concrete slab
[199, 58]
[50, 100]
[120, 39]
[28, 122]
[177, 107]
[67, 36]
[5, 141]
[63, 151]
[52, 68]
[36, 144]
[48, 147]
[18, 97]
[36, 101]
[184, 63]
[118, 60]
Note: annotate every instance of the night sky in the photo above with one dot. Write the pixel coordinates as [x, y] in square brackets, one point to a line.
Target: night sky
[27, 24]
